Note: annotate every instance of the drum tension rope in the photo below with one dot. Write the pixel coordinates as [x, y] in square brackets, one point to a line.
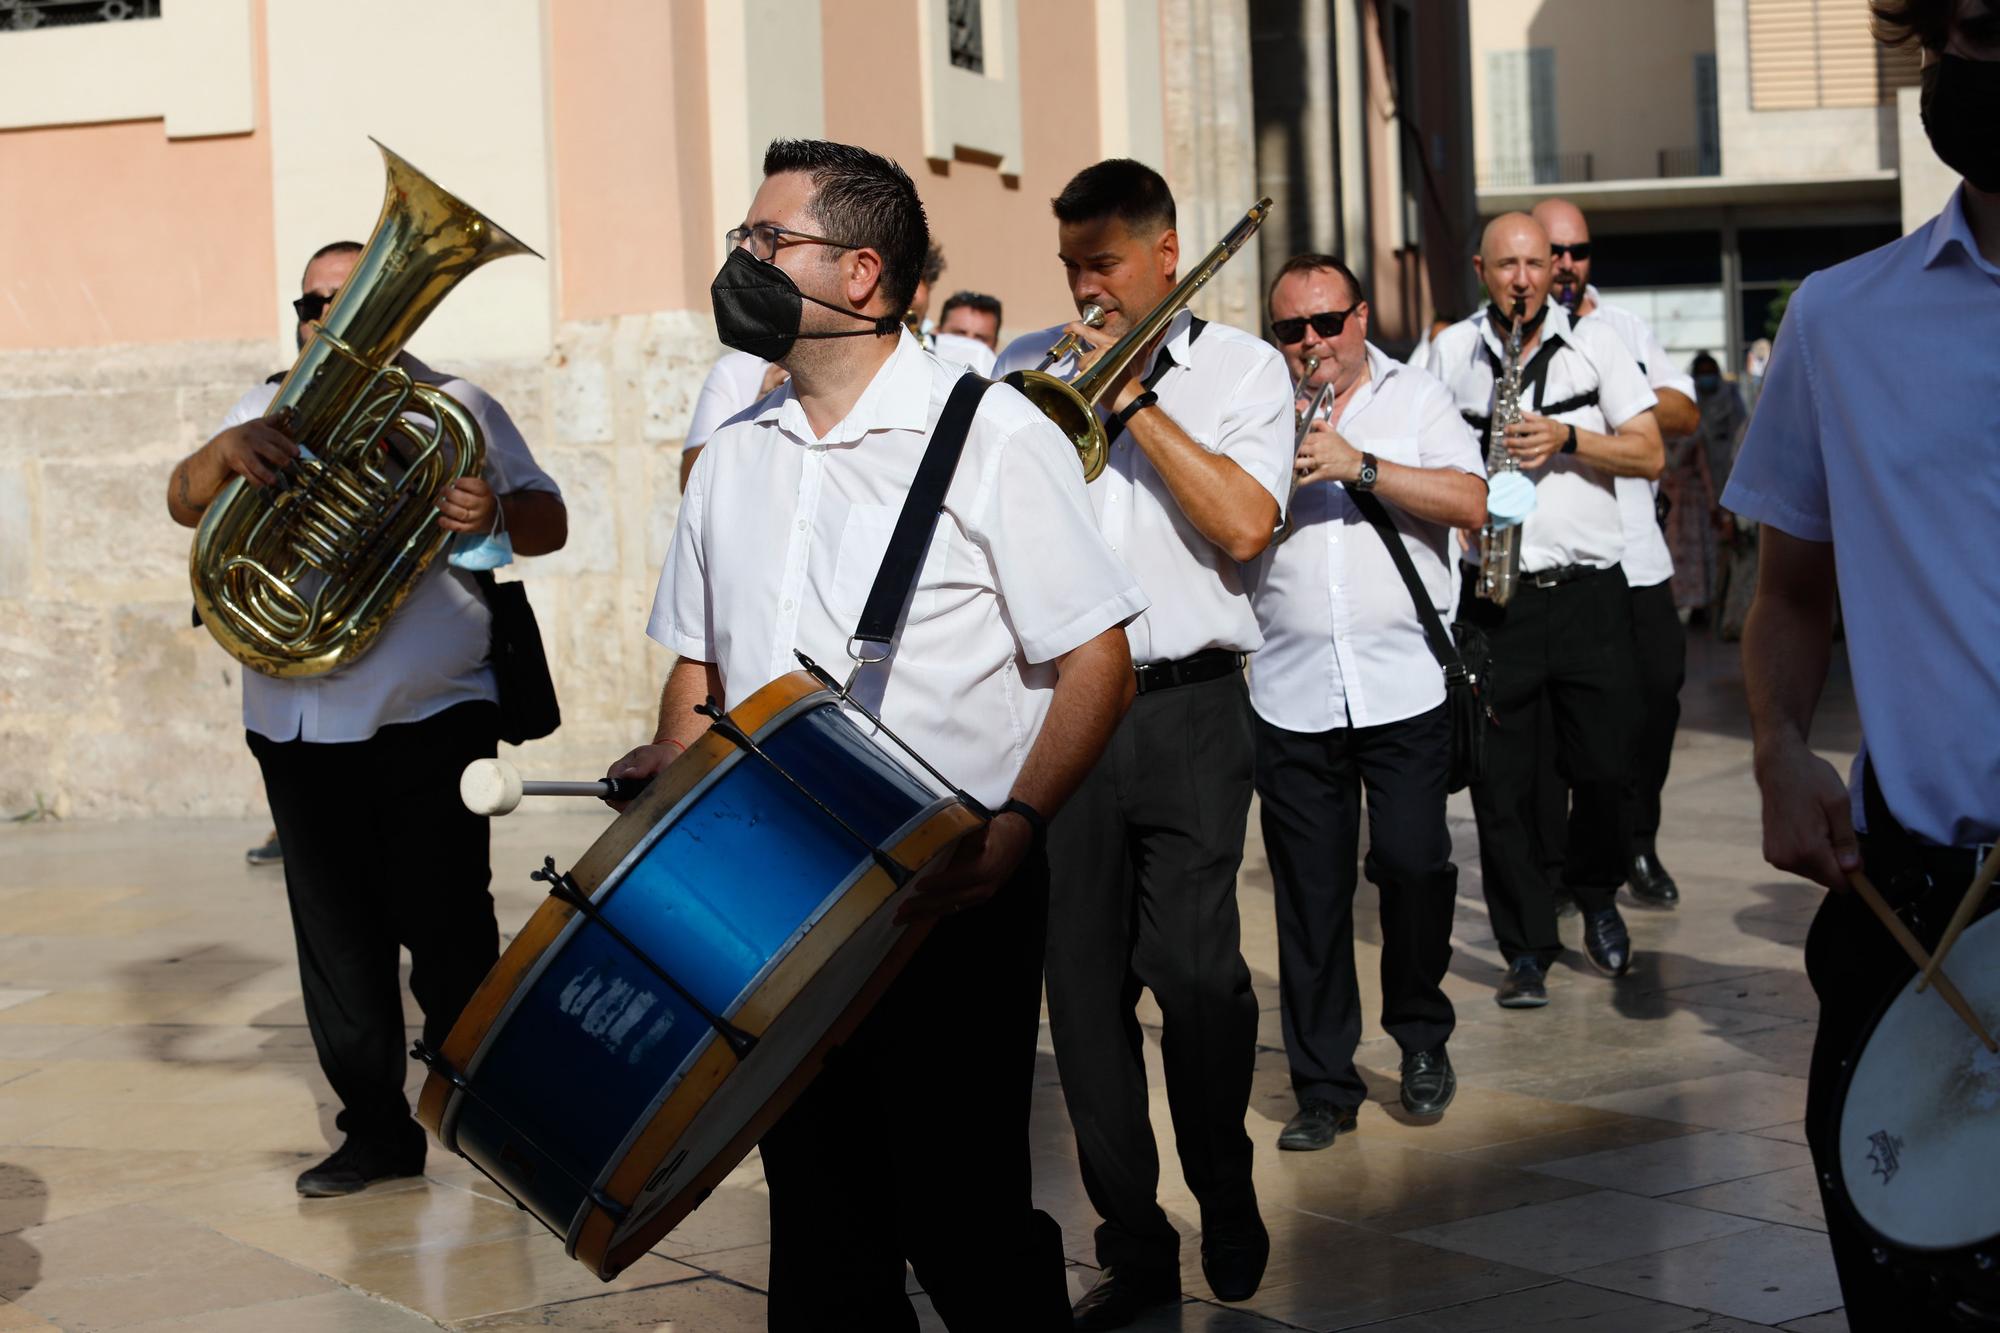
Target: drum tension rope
[562, 887]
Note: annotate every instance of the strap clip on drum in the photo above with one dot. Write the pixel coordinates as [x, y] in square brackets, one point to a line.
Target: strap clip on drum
[846, 695]
[562, 887]
[433, 1060]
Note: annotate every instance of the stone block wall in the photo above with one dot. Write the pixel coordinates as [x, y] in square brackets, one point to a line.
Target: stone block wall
[113, 705]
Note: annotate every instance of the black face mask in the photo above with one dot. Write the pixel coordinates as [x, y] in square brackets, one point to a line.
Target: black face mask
[1503, 323]
[1961, 112]
[757, 309]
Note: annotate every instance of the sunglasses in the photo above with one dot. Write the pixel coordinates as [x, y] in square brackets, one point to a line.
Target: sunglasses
[1327, 324]
[312, 305]
[1579, 251]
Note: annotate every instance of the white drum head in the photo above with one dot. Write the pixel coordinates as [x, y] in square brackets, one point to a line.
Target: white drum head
[1920, 1127]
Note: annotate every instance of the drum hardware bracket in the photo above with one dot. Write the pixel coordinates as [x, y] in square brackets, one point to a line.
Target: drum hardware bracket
[846, 696]
[564, 888]
[434, 1061]
[721, 723]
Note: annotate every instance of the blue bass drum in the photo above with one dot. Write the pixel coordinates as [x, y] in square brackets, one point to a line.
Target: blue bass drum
[685, 980]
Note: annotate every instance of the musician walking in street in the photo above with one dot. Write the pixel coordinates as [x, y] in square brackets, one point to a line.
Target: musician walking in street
[361, 768]
[1144, 858]
[1872, 482]
[1009, 672]
[1659, 640]
[1349, 696]
[1563, 640]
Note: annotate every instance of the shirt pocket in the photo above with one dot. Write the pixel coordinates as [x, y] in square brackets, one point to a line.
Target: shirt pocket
[864, 541]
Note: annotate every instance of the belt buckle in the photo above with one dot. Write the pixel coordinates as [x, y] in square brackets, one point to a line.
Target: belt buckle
[1544, 578]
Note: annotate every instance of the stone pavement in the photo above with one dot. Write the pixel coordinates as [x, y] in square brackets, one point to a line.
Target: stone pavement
[1629, 1158]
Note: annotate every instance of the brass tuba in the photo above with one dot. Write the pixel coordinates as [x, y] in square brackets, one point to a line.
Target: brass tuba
[298, 578]
[1073, 405]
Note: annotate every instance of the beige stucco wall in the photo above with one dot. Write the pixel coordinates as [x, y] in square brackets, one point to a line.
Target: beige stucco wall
[1624, 74]
[1784, 145]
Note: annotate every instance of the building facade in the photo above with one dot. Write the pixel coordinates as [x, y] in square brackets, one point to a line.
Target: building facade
[1724, 149]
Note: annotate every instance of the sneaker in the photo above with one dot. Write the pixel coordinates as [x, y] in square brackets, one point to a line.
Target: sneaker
[357, 1164]
[270, 854]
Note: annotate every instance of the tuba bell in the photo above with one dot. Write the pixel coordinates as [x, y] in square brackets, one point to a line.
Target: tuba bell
[298, 578]
[1072, 405]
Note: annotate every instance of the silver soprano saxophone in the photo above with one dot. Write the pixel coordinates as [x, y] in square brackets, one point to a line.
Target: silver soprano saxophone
[1500, 546]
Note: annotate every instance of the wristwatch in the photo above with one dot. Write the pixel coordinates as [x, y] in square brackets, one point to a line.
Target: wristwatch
[1366, 481]
[1569, 445]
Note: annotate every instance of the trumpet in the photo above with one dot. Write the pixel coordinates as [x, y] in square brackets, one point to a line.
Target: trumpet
[1073, 406]
[1303, 423]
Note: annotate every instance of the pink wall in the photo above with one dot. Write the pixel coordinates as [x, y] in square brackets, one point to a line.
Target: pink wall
[997, 234]
[631, 157]
[116, 234]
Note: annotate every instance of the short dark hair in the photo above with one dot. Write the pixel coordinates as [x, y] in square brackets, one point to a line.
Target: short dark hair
[1119, 188]
[1315, 263]
[862, 199]
[1901, 22]
[980, 301]
[1703, 361]
[332, 248]
[933, 263]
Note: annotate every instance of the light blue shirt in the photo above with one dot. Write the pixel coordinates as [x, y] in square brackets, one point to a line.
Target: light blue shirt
[1878, 430]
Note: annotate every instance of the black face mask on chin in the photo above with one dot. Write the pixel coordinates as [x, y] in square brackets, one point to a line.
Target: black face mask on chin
[1961, 113]
[1503, 322]
[758, 307]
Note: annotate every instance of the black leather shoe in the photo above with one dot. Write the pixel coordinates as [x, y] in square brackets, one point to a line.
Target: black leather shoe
[1233, 1255]
[1650, 883]
[357, 1164]
[1523, 986]
[1316, 1126]
[1428, 1083]
[1607, 942]
[1122, 1295]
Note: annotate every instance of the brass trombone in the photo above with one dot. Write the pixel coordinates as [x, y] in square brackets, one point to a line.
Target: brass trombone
[1073, 405]
[1303, 424]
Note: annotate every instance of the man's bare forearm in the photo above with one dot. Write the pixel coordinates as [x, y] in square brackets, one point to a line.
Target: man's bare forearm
[1444, 496]
[1634, 451]
[688, 684]
[537, 522]
[1094, 687]
[1787, 641]
[1226, 504]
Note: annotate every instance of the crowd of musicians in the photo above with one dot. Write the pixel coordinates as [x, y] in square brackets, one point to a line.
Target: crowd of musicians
[1250, 600]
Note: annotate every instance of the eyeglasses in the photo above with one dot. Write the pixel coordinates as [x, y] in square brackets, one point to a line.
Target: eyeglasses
[312, 305]
[1578, 252]
[763, 239]
[1327, 324]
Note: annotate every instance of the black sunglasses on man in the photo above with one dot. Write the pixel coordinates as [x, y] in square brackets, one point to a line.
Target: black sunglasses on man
[1326, 323]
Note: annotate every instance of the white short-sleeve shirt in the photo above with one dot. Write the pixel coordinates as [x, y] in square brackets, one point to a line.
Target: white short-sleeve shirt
[1232, 395]
[1576, 519]
[782, 532]
[433, 652]
[1647, 561]
[734, 384]
[1343, 646]
[1892, 459]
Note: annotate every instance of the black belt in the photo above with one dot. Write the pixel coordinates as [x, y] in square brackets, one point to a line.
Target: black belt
[1208, 664]
[1919, 879]
[1561, 574]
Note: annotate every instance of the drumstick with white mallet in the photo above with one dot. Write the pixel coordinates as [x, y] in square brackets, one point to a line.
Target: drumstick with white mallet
[1962, 918]
[495, 787]
[1946, 991]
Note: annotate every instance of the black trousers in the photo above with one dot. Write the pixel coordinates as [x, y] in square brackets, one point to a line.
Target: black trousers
[1569, 649]
[1310, 787]
[381, 855]
[1143, 863]
[1659, 655]
[912, 1144]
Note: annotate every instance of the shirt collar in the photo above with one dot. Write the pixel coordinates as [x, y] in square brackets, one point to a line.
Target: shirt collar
[897, 398]
[1381, 369]
[1555, 322]
[1179, 333]
[1952, 227]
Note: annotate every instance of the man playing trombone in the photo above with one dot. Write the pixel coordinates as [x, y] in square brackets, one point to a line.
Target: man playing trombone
[1348, 695]
[1143, 859]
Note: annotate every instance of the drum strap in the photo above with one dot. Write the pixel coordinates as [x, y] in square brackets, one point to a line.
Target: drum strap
[897, 578]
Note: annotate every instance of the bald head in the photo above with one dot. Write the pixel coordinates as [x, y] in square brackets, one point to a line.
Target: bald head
[1513, 262]
[1569, 243]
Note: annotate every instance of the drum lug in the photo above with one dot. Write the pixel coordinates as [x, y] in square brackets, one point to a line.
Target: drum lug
[1983, 1262]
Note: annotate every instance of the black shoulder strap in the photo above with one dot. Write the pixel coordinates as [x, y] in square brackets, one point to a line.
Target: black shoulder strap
[1441, 645]
[1588, 398]
[897, 578]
